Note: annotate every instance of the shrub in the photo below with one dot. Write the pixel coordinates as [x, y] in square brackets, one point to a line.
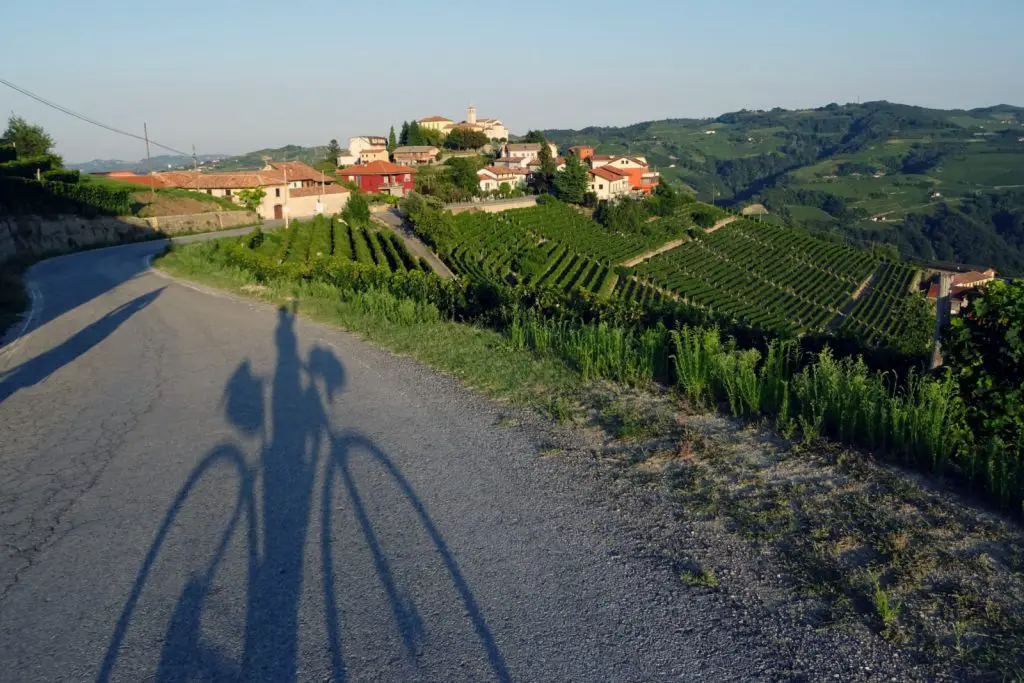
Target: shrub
[62, 175]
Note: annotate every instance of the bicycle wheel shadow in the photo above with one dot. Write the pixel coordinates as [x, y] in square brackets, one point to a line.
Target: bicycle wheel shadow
[299, 456]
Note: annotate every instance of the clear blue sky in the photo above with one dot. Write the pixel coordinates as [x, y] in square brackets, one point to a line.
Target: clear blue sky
[232, 76]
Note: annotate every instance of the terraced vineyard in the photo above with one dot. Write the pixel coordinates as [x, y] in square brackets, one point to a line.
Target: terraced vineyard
[873, 319]
[324, 237]
[764, 275]
[549, 245]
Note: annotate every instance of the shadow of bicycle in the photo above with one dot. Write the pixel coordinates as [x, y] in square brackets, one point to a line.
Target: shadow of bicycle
[363, 497]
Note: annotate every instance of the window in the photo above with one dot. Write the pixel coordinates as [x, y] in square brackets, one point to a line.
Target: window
[407, 177]
[227, 193]
[209, 192]
[277, 192]
[601, 186]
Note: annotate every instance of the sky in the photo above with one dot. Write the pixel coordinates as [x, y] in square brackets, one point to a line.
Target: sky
[230, 77]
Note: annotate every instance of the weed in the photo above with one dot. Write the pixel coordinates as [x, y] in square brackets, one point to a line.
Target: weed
[697, 576]
[888, 610]
[558, 409]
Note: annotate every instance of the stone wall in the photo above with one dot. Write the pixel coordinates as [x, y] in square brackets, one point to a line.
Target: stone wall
[34, 236]
[494, 205]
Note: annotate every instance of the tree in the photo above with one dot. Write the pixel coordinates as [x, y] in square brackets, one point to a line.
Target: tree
[430, 136]
[414, 137]
[357, 209]
[252, 198]
[465, 138]
[534, 136]
[571, 182]
[504, 190]
[984, 350]
[333, 151]
[28, 140]
[463, 174]
[392, 141]
[403, 137]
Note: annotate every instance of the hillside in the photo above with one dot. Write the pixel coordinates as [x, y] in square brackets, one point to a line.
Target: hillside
[941, 185]
[308, 155]
[160, 163]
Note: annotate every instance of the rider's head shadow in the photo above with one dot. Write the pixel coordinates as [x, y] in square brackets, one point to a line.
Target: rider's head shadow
[243, 400]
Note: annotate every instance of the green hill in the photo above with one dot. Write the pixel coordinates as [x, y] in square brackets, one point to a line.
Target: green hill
[941, 185]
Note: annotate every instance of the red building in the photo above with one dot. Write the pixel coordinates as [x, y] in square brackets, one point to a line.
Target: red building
[381, 177]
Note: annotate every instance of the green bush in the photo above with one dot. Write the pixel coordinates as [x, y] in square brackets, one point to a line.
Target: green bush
[27, 168]
[62, 175]
[24, 196]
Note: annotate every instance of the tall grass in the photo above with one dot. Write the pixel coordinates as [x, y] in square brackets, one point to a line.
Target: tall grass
[600, 351]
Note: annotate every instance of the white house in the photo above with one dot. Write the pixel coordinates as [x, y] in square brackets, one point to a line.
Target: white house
[492, 177]
[607, 183]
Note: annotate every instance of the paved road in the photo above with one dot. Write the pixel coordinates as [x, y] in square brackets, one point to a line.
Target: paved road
[195, 487]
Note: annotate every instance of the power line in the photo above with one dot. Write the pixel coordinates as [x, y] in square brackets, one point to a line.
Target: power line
[82, 117]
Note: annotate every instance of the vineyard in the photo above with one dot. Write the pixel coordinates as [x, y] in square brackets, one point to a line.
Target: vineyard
[874, 318]
[758, 274]
[550, 245]
[766, 276]
[332, 238]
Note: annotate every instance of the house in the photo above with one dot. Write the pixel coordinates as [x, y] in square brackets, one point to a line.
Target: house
[380, 176]
[641, 178]
[416, 155]
[371, 154]
[347, 158]
[607, 182]
[973, 278]
[508, 162]
[292, 197]
[298, 174]
[962, 284]
[492, 177]
[534, 164]
[439, 123]
[526, 150]
[581, 152]
[357, 144]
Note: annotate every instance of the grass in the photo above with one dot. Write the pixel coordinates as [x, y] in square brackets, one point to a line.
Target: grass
[166, 200]
[699, 577]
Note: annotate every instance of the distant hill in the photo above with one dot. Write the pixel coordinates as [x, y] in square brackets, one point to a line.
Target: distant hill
[941, 185]
[309, 155]
[160, 163]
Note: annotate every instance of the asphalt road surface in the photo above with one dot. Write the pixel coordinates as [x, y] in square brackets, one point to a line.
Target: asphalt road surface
[196, 487]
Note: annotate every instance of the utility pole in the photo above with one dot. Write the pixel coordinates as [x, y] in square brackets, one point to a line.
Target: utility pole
[195, 166]
[149, 164]
[285, 198]
[942, 313]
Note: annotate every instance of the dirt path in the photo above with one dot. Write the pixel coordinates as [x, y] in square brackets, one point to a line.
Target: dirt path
[668, 246]
[837, 320]
[394, 222]
[721, 224]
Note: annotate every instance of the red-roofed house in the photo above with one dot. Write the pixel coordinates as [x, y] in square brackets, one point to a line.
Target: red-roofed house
[607, 182]
[296, 198]
[641, 177]
[380, 176]
[492, 177]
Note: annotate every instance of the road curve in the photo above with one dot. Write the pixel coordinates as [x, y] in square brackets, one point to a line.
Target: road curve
[196, 487]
